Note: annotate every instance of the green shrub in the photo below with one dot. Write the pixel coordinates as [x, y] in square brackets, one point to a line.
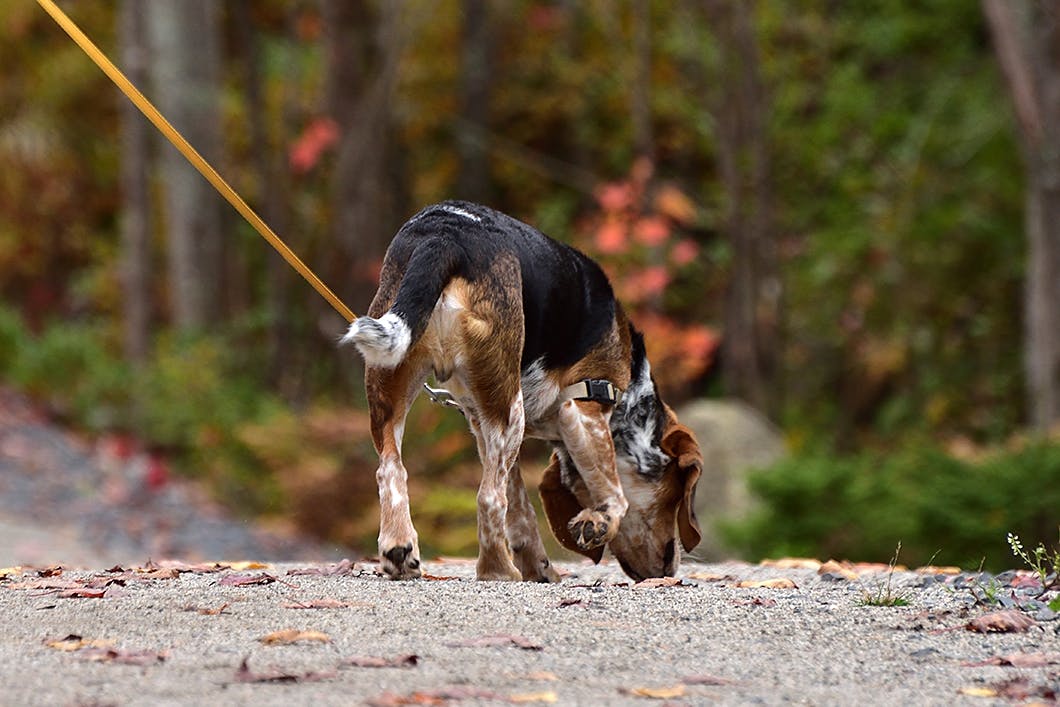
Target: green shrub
[860, 507]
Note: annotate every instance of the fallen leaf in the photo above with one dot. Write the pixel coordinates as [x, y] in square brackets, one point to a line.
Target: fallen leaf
[571, 602]
[317, 604]
[293, 635]
[706, 680]
[434, 697]
[978, 691]
[160, 573]
[869, 567]
[73, 642]
[710, 577]
[1021, 688]
[247, 565]
[244, 580]
[656, 582]
[56, 583]
[244, 674]
[334, 569]
[933, 569]
[198, 568]
[844, 569]
[657, 693]
[401, 661]
[54, 571]
[541, 675]
[113, 655]
[456, 560]
[6, 571]
[757, 601]
[1009, 621]
[208, 612]
[792, 563]
[91, 593]
[779, 583]
[439, 578]
[498, 640]
[548, 697]
[1020, 660]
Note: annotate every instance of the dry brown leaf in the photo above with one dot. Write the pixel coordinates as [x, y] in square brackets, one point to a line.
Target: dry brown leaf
[73, 642]
[548, 697]
[245, 565]
[658, 693]
[208, 612]
[401, 661]
[293, 635]
[841, 569]
[53, 571]
[778, 583]
[113, 655]
[1020, 660]
[934, 569]
[334, 569]
[244, 580]
[53, 583]
[318, 604]
[541, 675]
[244, 674]
[1008, 621]
[978, 691]
[792, 563]
[6, 571]
[706, 680]
[710, 577]
[870, 567]
[434, 697]
[439, 577]
[656, 582]
[498, 640]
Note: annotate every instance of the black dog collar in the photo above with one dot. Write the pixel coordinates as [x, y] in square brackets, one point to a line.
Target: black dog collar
[598, 391]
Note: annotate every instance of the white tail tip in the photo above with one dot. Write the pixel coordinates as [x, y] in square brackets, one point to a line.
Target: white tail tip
[382, 342]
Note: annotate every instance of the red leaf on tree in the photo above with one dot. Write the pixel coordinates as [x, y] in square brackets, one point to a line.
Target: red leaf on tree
[652, 231]
[684, 252]
[317, 137]
[611, 238]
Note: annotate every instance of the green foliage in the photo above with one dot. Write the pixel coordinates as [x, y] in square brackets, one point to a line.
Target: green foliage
[1045, 562]
[859, 506]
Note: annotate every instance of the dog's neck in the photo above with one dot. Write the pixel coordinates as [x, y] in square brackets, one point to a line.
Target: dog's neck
[637, 422]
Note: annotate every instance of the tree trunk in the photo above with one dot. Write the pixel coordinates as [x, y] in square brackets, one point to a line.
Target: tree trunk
[185, 68]
[473, 180]
[643, 135]
[1027, 43]
[362, 62]
[739, 108]
[135, 201]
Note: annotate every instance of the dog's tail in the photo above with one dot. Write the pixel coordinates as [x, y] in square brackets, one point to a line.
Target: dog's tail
[385, 341]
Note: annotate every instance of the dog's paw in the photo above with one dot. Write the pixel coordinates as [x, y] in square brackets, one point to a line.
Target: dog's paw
[401, 561]
[496, 568]
[591, 529]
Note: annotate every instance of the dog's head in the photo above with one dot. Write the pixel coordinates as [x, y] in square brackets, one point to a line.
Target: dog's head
[659, 466]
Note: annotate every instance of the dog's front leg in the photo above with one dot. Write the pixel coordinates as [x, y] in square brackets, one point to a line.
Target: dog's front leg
[586, 435]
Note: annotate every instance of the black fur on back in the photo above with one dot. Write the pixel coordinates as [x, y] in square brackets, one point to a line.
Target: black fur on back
[568, 304]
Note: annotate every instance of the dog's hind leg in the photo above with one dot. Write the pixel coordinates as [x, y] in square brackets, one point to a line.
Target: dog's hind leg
[524, 537]
[390, 394]
[498, 445]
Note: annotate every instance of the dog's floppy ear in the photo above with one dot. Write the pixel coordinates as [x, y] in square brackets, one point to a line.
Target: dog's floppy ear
[679, 443]
[560, 506]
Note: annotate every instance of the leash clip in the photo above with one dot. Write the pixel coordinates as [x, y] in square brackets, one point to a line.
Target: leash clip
[442, 397]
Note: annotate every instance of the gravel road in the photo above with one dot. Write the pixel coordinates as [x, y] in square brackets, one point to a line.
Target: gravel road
[180, 636]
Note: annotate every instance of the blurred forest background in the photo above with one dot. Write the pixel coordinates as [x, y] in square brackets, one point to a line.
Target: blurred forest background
[846, 214]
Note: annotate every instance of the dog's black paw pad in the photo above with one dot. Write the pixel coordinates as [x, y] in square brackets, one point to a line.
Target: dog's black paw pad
[397, 555]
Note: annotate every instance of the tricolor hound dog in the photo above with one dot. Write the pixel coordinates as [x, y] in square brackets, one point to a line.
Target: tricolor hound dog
[528, 337]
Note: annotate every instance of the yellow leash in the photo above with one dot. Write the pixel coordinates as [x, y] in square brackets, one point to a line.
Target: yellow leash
[192, 155]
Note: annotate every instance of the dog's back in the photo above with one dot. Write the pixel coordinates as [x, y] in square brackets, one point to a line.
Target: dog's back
[566, 301]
